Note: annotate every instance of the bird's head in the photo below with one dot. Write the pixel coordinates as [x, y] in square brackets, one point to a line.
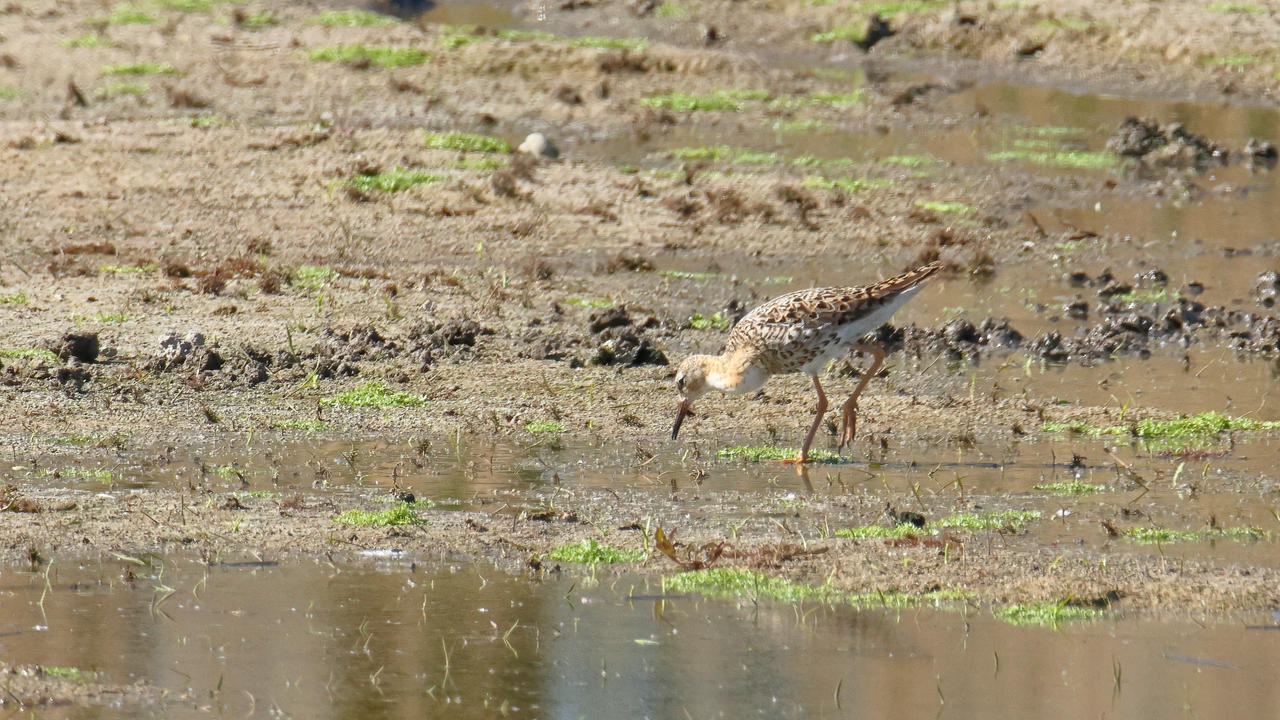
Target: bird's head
[691, 381]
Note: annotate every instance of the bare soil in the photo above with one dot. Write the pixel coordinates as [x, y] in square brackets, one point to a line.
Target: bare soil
[213, 207]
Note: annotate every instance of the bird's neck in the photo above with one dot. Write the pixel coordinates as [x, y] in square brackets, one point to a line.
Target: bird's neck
[734, 373]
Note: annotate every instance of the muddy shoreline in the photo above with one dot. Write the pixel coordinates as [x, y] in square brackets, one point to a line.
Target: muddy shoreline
[217, 236]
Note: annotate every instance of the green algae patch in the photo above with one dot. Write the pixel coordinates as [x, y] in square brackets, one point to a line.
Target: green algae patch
[140, 68]
[1045, 614]
[467, 142]
[1071, 159]
[1164, 536]
[1008, 520]
[845, 184]
[380, 55]
[590, 552]
[726, 154]
[401, 514]
[66, 673]
[760, 453]
[393, 180]
[716, 321]
[1072, 488]
[538, 427]
[374, 394]
[718, 100]
[352, 18]
[880, 532]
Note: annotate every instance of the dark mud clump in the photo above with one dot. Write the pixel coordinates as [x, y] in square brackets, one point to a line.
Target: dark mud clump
[83, 347]
[1266, 287]
[958, 339]
[618, 340]
[1165, 146]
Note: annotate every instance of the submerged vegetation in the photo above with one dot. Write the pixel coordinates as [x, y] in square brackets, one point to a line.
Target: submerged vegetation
[1045, 614]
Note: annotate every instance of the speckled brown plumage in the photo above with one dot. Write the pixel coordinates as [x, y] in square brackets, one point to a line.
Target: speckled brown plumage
[800, 332]
[794, 330]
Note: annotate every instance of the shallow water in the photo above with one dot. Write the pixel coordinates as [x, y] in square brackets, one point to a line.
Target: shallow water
[379, 638]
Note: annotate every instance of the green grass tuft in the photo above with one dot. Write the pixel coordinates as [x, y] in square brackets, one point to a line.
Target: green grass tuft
[852, 33]
[66, 673]
[1193, 428]
[815, 161]
[942, 206]
[717, 321]
[759, 453]
[544, 426]
[590, 552]
[380, 55]
[726, 582]
[1008, 520]
[36, 353]
[1045, 614]
[590, 302]
[1164, 536]
[10, 93]
[374, 394]
[18, 298]
[1071, 488]
[718, 100]
[1073, 159]
[1234, 7]
[394, 180]
[88, 40]
[312, 277]
[401, 514]
[140, 68]
[467, 142]
[125, 88]
[352, 18]
[1232, 61]
[127, 269]
[726, 154]
[868, 532]
[127, 14]
[911, 161]
[845, 184]
[686, 275]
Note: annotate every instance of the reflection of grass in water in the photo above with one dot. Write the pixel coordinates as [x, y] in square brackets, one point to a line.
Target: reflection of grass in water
[1045, 614]
[759, 453]
[590, 552]
[1071, 488]
[1163, 536]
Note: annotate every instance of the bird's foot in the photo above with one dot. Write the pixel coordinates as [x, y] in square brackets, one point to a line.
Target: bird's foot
[848, 425]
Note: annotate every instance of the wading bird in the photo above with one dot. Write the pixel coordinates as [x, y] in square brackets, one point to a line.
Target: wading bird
[800, 332]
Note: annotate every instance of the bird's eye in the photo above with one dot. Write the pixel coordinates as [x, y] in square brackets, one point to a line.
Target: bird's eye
[680, 383]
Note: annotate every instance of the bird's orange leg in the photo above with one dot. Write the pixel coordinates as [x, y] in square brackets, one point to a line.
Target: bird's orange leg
[849, 411]
[803, 457]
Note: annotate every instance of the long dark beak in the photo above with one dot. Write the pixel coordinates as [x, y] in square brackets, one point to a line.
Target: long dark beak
[681, 413]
